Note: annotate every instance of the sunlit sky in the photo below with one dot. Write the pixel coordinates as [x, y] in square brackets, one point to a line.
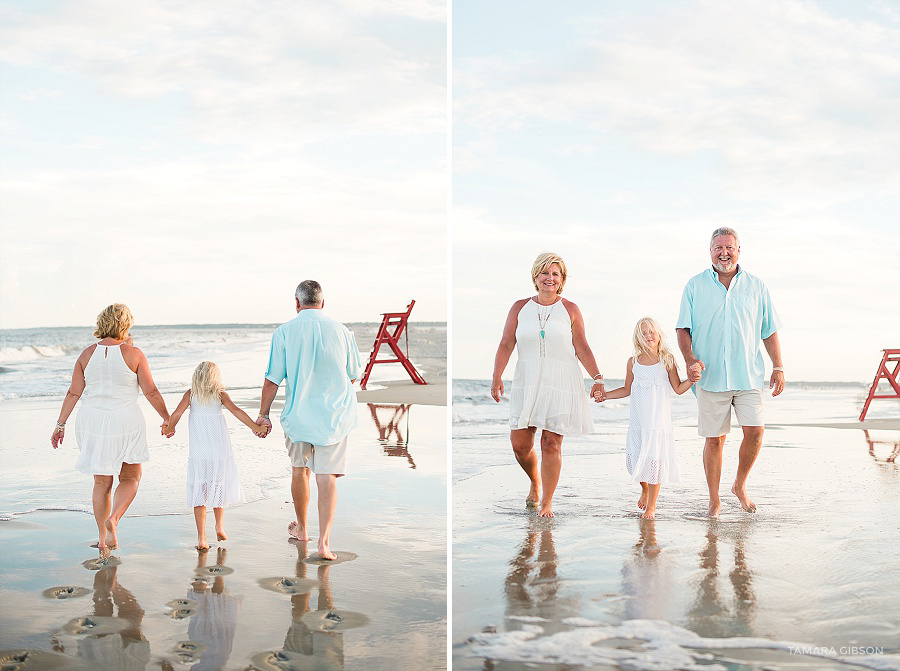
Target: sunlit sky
[621, 134]
[197, 160]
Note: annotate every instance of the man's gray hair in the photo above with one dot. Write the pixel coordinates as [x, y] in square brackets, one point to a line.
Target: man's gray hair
[724, 230]
[309, 293]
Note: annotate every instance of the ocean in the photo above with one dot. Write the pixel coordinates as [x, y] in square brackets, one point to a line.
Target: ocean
[36, 368]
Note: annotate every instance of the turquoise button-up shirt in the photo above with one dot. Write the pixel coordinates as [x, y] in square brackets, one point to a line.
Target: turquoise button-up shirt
[727, 327]
[316, 356]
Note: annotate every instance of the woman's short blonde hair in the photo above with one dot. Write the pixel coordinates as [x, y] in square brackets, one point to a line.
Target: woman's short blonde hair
[544, 261]
[114, 322]
[206, 383]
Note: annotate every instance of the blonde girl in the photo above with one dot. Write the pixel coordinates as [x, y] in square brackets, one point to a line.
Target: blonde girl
[212, 477]
[650, 445]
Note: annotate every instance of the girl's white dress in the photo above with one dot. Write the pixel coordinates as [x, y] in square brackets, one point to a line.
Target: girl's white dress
[548, 390]
[109, 427]
[212, 477]
[650, 444]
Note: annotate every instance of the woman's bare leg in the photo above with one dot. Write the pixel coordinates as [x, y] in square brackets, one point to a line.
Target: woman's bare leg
[219, 514]
[200, 520]
[129, 479]
[551, 464]
[100, 500]
[523, 447]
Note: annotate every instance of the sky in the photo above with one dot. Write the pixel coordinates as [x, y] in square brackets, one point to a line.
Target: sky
[197, 160]
[621, 134]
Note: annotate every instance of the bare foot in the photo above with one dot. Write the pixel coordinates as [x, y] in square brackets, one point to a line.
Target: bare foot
[746, 503]
[642, 502]
[533, 495]
[648, 514]
[713, 510]
[296, 531]
[220, 535]
[111, 540]
[324, 552]
[545, 510]
[202, 546]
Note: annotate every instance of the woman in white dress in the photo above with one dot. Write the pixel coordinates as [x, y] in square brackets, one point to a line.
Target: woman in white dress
[110, 428]
[547, 332]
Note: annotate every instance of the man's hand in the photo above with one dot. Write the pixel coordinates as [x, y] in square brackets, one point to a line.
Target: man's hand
[776, 383]
[695, 370]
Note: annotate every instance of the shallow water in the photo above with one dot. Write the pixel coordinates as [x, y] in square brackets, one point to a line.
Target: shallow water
[807, 582]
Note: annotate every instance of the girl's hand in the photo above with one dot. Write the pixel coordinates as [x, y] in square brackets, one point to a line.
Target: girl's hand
[56, 438]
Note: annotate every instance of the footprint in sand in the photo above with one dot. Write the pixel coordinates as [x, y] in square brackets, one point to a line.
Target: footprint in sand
[214, 571]
[95, 625]
[64, 592]
[101, 563]
[23, 660]
[188, 652]
[334, 620]
[289, 585]
[179, 609]
[342, 557]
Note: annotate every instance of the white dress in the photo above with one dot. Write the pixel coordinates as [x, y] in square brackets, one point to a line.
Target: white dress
[650, 444]
[212, 477]
[548, 390]
[109, 427]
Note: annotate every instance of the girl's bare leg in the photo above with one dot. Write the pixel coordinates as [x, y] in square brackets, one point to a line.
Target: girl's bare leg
[200, 519]
[652, 493]
[642, 502]
[219, 514]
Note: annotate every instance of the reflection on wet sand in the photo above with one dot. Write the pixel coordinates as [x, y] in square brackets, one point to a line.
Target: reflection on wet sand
[893, 446]
[211, 629]
[394, 442]
[110, 637]
[532, 583]
[315, 638]
[646, 577]
[711, 615]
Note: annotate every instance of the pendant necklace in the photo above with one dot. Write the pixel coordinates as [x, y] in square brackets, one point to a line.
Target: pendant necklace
[542, 322]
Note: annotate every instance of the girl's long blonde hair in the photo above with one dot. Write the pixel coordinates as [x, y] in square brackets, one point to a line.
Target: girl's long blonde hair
[640, 346]
[206, 383]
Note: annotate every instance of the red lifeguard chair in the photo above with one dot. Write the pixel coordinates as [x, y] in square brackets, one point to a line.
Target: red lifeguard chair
[393, 325]
[891, 356]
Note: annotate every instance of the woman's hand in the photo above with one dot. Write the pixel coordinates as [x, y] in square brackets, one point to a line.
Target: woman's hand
[598, 392]
[56, 438]
[496, 390]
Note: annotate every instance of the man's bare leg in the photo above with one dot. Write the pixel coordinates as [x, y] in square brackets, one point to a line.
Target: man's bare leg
[642, 502]
[551, 463]
[200, 520]
[100, 499]
[750, 447]
[129, 479]
[652, 493]
[712, 466]
[327, 486]
[523, 447]
[300, 495]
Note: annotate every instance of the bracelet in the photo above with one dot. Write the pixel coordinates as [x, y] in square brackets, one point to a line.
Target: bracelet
[778, 368]
[262, 416]
[61, 426]
[598, 376]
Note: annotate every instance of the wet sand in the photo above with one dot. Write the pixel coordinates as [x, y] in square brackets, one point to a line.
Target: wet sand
[257, 598]
[810, 581]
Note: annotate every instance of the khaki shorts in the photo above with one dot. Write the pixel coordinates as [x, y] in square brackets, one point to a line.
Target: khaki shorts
[320, 459]
[714, 410]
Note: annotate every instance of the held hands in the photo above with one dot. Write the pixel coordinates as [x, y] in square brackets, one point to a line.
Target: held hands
[695, 370]
[598, 393]
[776, 382]
[265, 426]
[165, 430]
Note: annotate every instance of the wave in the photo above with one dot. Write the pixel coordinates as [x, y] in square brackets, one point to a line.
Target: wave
[31, 353]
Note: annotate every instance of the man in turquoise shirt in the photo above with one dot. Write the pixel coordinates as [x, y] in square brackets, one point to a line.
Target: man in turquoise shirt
[317, 359]
[725, 313]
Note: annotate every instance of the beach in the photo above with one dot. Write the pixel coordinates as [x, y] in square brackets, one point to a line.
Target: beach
[256, 600]
[807, 582]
